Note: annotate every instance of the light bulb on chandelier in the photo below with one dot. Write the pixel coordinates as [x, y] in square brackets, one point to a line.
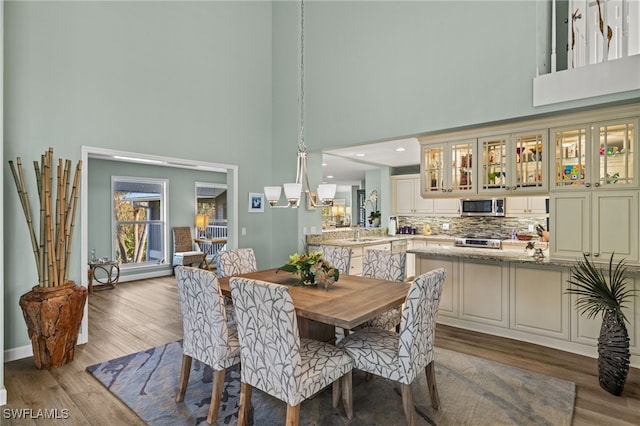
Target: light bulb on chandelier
[293, 191]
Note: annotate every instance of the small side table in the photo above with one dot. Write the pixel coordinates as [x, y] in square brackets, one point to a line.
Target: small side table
[105, 273]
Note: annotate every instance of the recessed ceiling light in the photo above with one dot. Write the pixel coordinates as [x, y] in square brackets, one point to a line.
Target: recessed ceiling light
[324, 164]
[400, 149]
[329, 177]
[359, 154]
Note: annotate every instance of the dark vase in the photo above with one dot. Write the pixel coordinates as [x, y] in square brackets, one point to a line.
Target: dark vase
[613, 354]
[307, 278]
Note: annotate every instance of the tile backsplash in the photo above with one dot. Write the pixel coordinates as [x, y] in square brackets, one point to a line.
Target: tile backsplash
[459, 226]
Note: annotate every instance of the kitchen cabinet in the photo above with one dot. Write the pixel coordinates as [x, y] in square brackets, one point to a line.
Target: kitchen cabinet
[538, 302]
[536, 206]
[599, 155]
[448, 306]
[411, 258]
[513, 163]
[357, 256]
[595, 224]
[406, 197]
[447, 168]
[484, 292]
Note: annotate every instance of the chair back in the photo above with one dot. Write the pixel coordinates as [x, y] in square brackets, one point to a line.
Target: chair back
[182, 240]
[384, 265]
[236, 262]
[269, 339]
[338, 257]
[204, 324]
[418, 323]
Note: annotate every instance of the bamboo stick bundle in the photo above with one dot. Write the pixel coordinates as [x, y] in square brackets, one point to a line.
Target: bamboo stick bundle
[51, 243]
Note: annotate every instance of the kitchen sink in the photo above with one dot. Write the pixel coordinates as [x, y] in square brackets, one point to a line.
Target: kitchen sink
[365, 239]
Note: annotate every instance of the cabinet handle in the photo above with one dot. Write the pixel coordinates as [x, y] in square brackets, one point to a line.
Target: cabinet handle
[449, 190]
[514, 188]
[588, 185]
[597, 184]
[444, 190]
[596, 254]
[586, 253]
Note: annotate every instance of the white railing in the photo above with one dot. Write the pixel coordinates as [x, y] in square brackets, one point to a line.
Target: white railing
[213, 233]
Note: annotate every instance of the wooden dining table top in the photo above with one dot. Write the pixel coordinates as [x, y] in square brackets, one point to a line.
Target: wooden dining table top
[347, 303]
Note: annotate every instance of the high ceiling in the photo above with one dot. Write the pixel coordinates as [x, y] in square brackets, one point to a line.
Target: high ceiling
[349, 165]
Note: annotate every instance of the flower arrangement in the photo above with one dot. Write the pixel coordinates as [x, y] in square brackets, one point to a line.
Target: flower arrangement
[313, 270]
[373, 200]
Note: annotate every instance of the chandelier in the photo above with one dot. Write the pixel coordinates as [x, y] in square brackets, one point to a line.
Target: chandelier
[293, 191]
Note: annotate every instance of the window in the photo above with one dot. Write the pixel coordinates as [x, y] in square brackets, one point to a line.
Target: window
[140, 229]
[211, 200]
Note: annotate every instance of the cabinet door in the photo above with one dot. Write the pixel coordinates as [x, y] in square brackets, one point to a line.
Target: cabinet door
[446, 206]
[539, 303]
[433, 158]
[571, 154]
[526, 205]
[492, 172]
[528, 173]
[449, 297]
[570, 224]
[461, 176]
[404, 195]
[485, 293]
[616, 143]
[615, 225]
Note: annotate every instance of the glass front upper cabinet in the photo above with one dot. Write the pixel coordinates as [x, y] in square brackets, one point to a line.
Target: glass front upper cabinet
[448, 168]
[599, 155]
[513, 163]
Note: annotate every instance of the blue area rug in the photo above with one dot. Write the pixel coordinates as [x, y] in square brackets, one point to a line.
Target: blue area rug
[473, 391]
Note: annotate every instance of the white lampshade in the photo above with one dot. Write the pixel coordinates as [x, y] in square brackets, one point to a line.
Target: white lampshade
[292, 192]
[273, 194]
[326, 192]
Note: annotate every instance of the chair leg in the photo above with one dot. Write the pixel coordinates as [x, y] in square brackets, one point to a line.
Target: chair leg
[293, 415]
[347, 394]
[185, 370]
[430, 371]
[336, 393]
[407, 404]
[216, 396]
[245, 404]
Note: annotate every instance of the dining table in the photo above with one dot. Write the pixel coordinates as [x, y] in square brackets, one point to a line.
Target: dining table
[347, 303]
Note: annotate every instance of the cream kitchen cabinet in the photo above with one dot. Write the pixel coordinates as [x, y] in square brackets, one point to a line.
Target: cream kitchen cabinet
[411, 258]
[484, 292]
[449, 298]
[539, 303]
[406, 197]
[595, 224]
[599, 155]
[513, 163]
[536, 206]
[447, 168]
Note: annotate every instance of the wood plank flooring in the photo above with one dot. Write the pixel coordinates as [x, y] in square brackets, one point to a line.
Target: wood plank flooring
[142, 314]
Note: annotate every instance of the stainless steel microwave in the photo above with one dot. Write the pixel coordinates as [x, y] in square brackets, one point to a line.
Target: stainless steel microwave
[482, 207]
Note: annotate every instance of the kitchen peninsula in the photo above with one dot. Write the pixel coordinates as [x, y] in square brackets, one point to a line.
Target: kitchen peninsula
[505, 292]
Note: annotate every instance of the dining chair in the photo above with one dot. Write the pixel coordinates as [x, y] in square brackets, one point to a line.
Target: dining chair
[339, 257]
[402, 356]
[389, 266]
[185, 251]
[206, 335]
[236, 262]
[275, 359]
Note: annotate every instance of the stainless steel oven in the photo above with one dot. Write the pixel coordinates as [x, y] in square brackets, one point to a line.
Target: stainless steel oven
[482, 207]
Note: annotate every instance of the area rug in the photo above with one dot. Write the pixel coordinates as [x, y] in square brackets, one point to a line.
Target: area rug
[473, 391]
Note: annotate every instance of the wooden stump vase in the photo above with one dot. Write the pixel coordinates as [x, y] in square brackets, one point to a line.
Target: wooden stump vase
[53, 316]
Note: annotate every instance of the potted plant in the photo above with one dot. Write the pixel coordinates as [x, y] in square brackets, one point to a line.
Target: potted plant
[53, 309]
[374, 216]
[606, 295]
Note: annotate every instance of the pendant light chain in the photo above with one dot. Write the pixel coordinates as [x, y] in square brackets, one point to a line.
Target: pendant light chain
[301, 145]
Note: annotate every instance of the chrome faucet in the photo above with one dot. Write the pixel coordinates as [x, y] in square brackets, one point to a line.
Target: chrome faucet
[356, 233]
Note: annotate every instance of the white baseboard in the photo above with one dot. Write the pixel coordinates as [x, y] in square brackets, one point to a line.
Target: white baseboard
[18, 353]
[3, 396]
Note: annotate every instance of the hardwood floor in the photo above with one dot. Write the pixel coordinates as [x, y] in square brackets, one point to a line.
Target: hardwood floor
[142, 314]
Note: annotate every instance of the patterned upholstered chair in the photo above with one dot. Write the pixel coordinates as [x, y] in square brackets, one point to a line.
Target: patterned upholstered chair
[206, 335]
[338, 257]
[401, 357]
[275, 359]
[236, 262]
[185, 251]
[385, 265]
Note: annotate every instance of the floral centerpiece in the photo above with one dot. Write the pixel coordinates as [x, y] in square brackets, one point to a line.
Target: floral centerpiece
[374, 216]
[313, 270]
